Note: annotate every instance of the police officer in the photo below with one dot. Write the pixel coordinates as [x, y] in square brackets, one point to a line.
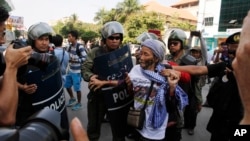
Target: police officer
[40, 83]
[112, 36]
[177, 48]
[176, 44]
[227, 106]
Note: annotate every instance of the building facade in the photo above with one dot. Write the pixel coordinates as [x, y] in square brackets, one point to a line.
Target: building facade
[217, 19]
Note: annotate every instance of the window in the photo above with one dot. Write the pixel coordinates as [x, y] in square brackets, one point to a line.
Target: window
[232, 10]
[209, 21]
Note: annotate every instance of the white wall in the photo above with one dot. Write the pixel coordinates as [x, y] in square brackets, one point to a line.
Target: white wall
[209, 8]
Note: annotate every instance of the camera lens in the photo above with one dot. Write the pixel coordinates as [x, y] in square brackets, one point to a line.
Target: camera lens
[38, 130]
[43, 126]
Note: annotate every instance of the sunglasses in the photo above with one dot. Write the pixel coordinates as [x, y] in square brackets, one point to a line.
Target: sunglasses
[173, 43]
[114, 37]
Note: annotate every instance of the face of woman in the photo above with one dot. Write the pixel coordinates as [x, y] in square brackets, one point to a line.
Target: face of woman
[42, 43]
[113, 42]
[147, 59]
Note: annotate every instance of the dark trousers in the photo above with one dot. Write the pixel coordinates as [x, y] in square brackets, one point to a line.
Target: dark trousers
[65, 124]
[190, 113]
[220, 128]
[96, 111]
[118, 123]
[173, 134]
[220, 136]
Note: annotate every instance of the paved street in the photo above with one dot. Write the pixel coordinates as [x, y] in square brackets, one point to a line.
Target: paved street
[200, 131]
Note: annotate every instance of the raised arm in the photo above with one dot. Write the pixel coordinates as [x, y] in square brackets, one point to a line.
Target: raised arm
[14, 58]
[241, 65]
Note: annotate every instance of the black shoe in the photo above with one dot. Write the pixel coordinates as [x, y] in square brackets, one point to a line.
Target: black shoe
[131, 136]
[105, 120]
[206, 105]
[190, 131]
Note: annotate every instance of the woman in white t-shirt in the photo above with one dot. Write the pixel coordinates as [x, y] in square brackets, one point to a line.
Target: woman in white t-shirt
[151, 69]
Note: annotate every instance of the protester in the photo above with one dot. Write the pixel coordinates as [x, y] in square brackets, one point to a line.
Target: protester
[40, 83]
[241, 66]
[226, 103]
[73, 78]
[150, 72]
[61, 54]
[112, 36]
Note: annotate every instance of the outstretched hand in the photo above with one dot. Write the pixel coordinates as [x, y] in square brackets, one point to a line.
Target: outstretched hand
[79, 133]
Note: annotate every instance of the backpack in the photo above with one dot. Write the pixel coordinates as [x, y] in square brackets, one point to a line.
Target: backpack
[77, 50]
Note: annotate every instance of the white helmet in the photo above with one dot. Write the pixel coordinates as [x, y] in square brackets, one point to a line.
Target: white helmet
[111, 28]
[37, 30]
[146, 35]
[178, 34]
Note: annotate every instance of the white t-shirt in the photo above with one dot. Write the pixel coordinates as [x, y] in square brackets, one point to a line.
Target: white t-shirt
[141, 87]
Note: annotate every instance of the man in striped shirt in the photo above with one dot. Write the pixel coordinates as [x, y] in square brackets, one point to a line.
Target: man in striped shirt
[77, 55]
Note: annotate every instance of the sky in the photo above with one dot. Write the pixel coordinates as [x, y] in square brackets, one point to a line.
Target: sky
[35, 11]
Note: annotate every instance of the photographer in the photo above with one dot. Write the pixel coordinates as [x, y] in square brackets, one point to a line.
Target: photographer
[14, 58]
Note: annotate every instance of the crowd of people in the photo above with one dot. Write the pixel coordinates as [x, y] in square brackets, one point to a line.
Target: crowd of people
[33, 77]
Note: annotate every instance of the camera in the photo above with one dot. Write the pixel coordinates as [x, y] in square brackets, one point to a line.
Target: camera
[40, 60]
[42, 126]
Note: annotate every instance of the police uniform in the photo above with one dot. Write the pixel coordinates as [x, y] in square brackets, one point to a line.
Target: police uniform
[227, 106]
[44, 71]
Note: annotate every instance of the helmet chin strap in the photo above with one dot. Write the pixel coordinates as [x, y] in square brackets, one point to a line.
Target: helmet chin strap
[175, 53]
[36, 50]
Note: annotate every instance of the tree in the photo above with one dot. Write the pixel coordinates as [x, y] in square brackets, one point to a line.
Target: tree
[100, 15]
[139, 23]
[87, 31]
[120, 13]
[127, 8]
[174, 21]
[17, 33]
[73, 19]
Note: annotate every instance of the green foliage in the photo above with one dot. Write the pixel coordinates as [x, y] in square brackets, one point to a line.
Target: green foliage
[17, 33]
[176, 22]
[130, 13]
[138, 23]
[87, 31]
[89, 35]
